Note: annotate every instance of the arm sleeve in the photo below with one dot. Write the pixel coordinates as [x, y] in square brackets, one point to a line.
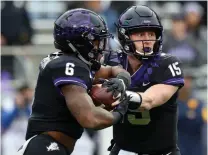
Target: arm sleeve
[64, 73]
[171, 72]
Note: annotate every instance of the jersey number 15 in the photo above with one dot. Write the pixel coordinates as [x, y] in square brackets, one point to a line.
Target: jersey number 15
[175, 70]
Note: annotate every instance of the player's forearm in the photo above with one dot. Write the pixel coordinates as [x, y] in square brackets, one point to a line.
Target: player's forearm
[104, 72]
[148, 102]
[107, 72]
[103, 118]
[139, 101]
[153, 97]
[157, 95]
[115, 70]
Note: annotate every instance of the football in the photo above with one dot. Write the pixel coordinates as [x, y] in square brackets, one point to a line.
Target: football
[100, 96]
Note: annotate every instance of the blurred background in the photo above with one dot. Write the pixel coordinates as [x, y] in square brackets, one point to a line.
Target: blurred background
[27, 37]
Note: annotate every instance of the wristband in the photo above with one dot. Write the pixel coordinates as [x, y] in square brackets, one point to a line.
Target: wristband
[135, 101]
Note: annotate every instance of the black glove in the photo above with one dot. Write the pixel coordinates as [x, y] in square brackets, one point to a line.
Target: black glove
[116, 86]
[122, 107]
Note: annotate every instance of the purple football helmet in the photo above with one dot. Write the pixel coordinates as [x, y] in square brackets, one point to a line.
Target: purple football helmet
[76, 31]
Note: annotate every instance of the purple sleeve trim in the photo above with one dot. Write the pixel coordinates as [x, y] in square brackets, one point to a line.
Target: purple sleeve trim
[174, 81]
[69, 80]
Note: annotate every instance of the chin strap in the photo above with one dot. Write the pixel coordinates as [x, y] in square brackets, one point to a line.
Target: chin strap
[78, 54]
[94, 65]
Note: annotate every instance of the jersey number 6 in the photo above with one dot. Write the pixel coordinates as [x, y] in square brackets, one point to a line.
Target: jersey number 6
[69, 69]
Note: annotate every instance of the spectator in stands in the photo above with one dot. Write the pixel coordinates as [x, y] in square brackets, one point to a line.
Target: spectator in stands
[197, 32]
[193, 15]
[7, 90]
[14, 120]
[15, 30]
[177, 43]
[15, 27]
[110, 16]
[104, 9]
[74, 4]
[192, 119]
[120, 6]
[101, 7]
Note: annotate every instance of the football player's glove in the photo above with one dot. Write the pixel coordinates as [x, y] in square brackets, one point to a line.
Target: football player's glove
[116, 86]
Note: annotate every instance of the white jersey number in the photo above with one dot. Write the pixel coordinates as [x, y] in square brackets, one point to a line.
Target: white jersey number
[175, 70]
[69, 69]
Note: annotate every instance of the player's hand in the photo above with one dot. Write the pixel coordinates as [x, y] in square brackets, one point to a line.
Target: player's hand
[116, 86]
[122, 107]
[114, 104]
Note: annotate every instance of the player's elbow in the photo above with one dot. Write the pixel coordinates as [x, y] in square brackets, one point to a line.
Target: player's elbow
[89, 121]
[95, 122]
[92, 124]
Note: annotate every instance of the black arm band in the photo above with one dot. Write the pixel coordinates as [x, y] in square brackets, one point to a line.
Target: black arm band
[117, 117]
[126, 77]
